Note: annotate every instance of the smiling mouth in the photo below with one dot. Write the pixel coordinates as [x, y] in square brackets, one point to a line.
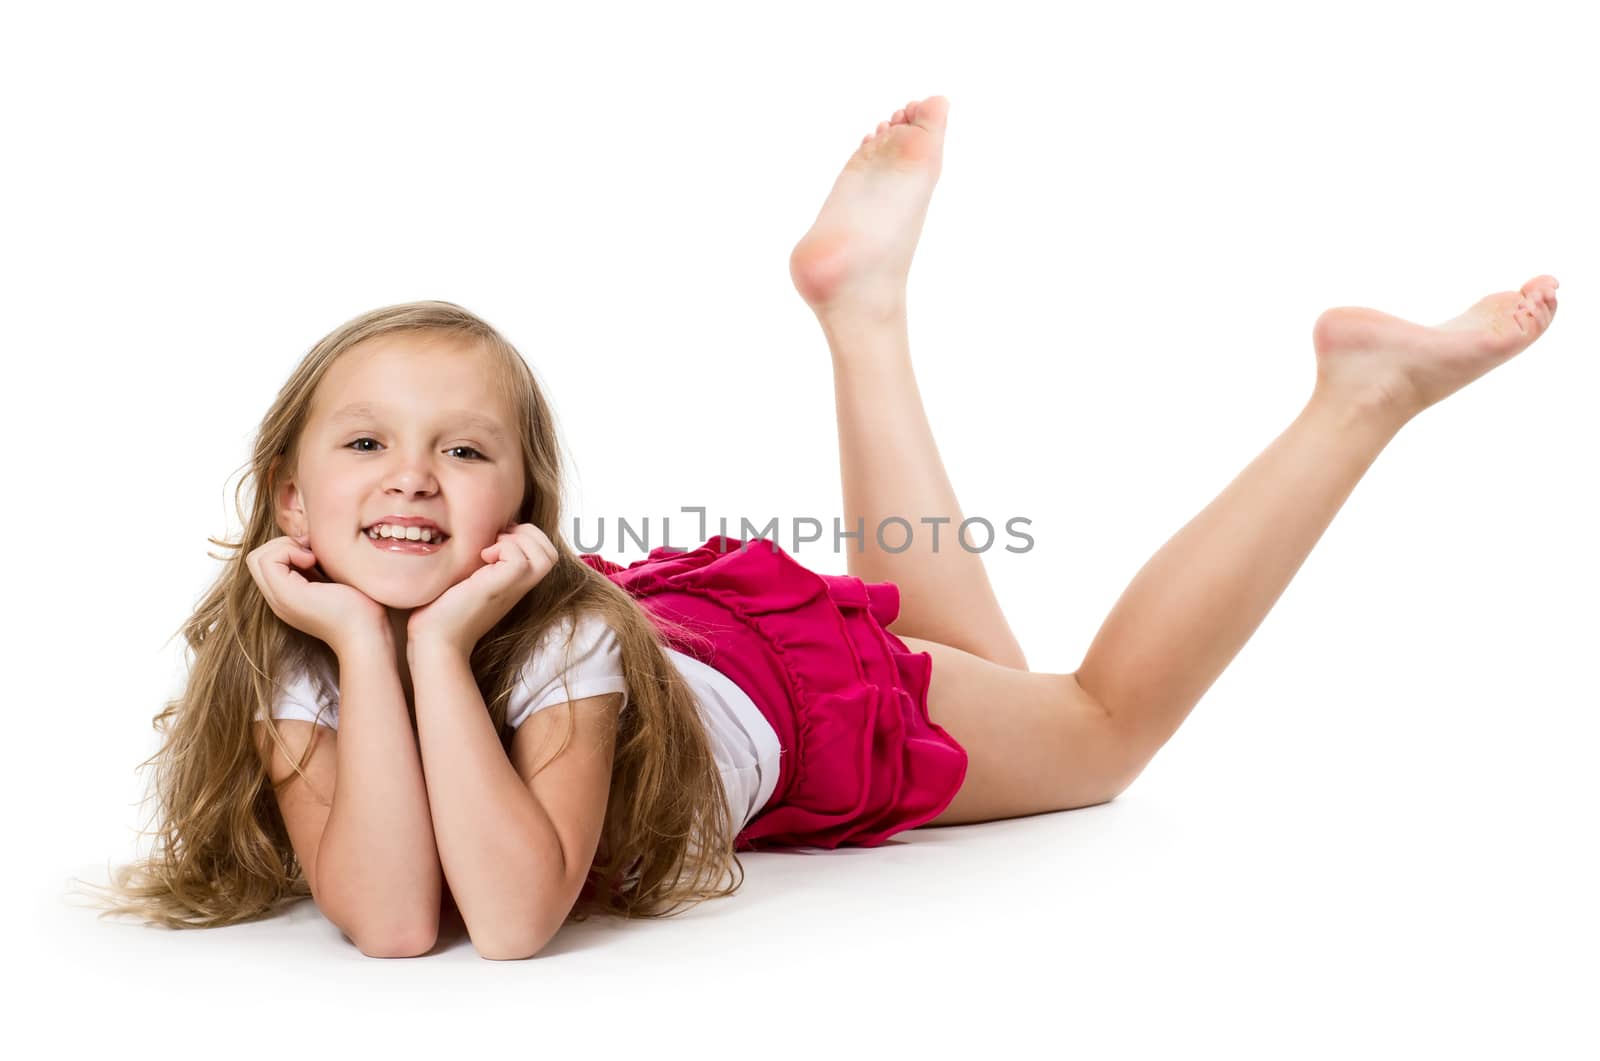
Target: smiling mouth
[405, 545]
[439, 537]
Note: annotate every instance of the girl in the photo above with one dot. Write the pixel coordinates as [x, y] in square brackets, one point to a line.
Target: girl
[521, 732]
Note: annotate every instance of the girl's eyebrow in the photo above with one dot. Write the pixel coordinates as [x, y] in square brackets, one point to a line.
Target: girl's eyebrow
[369, 411]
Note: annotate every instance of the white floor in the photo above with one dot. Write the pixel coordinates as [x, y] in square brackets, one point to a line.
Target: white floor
[1429, 921]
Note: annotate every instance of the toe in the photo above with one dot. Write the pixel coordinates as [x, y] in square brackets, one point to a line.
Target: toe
[1532, 288]
[932, 112]
[1539, 299]
[1537, 315]
[899, 116]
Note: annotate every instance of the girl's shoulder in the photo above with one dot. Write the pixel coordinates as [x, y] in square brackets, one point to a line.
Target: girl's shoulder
[307, 687]
[550, 675]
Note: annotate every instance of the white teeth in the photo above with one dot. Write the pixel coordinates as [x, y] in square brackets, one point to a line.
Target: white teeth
[384, 530]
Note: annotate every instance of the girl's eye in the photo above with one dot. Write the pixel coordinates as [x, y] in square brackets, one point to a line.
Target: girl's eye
[469, 449]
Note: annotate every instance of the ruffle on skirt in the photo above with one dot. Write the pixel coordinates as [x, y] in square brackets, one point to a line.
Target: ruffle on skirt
[861, 758]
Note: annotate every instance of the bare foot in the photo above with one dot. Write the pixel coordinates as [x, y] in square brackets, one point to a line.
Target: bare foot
[857, 256]
[1373, 357]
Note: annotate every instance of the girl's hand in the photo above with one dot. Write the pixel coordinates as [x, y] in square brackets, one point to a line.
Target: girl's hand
[462, 614]
[331, 611]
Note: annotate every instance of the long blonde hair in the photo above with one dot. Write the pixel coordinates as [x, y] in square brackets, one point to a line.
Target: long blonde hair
[223, 854]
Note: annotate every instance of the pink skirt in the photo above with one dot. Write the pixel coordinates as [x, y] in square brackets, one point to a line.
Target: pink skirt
[849, 701]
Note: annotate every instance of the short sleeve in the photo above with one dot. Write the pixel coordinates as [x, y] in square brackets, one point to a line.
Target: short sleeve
[300, 698]
[596, 668]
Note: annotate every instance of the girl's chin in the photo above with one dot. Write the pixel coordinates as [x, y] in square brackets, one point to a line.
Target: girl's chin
[402, 602]
[399, 598]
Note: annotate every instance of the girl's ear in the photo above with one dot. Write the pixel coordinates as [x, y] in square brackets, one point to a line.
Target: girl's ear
[285, 503]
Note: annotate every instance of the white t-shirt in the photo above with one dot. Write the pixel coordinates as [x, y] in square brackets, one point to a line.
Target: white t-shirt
[743, 742]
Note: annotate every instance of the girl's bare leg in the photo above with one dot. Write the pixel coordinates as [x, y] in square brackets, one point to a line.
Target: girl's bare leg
[1066, 741]
[1197, 601]
[1040, 742]
[1044, 742]
[852, 268]
[1193, 605]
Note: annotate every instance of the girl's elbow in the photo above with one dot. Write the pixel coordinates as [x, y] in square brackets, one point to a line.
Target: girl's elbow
[516, 948]
[510, 950]
[399, 945]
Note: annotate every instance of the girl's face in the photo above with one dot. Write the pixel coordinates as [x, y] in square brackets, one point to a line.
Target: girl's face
[404, 425]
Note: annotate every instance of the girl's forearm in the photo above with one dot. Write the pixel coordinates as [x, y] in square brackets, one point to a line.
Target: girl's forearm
[498, 848]
[378, 874]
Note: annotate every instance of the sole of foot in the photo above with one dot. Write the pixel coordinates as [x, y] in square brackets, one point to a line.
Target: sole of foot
[1377, 359]
[856, 257]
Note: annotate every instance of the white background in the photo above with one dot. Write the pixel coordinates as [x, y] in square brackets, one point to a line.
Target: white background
[1375, 832]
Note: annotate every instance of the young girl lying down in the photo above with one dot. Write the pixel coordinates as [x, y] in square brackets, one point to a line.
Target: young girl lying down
[410, 698]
